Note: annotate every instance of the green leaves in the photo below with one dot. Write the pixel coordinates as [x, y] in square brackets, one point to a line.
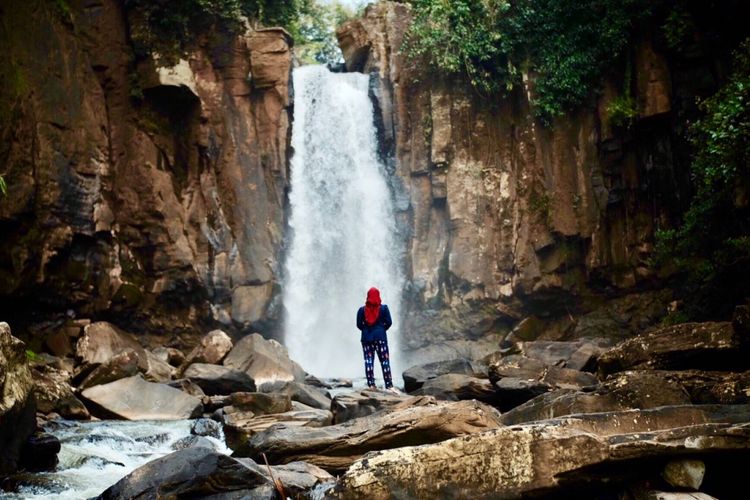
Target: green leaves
[3, 186]
[565, 44]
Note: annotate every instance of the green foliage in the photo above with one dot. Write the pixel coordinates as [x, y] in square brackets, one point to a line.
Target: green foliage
[563, 45]
[713, 238]
[315, 31]
[30, 355]
[3, 186]
[678, 27]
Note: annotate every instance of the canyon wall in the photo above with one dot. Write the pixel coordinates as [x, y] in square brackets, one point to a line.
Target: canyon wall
[150, 196]
[505, 218]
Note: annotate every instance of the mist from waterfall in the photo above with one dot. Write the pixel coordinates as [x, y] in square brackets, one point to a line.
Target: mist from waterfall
[342, 225]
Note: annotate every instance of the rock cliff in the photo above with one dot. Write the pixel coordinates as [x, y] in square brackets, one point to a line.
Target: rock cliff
[150, 196]
[508, 218]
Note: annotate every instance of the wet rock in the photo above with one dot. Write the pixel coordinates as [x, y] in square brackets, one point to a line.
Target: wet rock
[212, 349]
[265, 361]
[684, 473]
[17, 408]
[529, 459]
[239, 425]
[689, 345]
[741, 320]
[350, 405]
[219, 380]
[135, 399]
[260, 403]
[194, 441]
[192, 472]
[53, 393]
[336, 447]
[455, 387]
[416, 376]
[40, 452]
[305, 394]
[206, 427]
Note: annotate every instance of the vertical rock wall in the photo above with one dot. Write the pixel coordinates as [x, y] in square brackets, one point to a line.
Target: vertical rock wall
[507, 217]
[150, 196]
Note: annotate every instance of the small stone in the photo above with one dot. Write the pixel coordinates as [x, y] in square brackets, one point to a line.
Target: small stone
[684, 473]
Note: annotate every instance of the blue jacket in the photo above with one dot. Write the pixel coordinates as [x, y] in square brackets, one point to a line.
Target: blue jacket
[376, 331]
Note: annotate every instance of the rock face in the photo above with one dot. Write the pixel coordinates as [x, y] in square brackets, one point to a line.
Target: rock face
[154, 195]
[336, 447]
[505, 216]
[265, 361]
[17, 408]
[219, 380]
[135, 399]
[517, 461]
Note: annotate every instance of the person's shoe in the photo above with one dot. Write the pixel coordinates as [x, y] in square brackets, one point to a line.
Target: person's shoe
[395, 391]
[372, 387]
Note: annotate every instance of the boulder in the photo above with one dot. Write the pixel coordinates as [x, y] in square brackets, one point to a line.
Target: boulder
[40, 452]
[416, 376]
[336, 447]
[17, 408]
[192, 472]
[239, 425]
[206, 427]
[212, 349]
[266, 361]
[684, 473]
[260, 403]
[305, 394]
[545, 458]
[53, 393]
[133, 398]
[188, 387]
[122, 365]
[298, 478]
[156, 370]
[708, 346]
[350, 405]
[101, 341]
[455, 387]
[217, 379]
[579, 354]
[193, 441]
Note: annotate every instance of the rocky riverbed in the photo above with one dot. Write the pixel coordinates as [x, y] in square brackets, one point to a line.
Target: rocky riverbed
[662, 415]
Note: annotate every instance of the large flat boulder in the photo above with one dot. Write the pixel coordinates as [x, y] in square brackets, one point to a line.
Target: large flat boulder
[17, 409]
[456, 387]
[578, 354]
[266, 361]
[193, 472]
[416, 376]
[133, 398]
[543, 458]
[303, 393]
[219, 380]
[240, 426]
[336, 447]
[350, 405]
[707, 346]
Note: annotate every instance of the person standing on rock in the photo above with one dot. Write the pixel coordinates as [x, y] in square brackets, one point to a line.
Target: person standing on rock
[374, 320]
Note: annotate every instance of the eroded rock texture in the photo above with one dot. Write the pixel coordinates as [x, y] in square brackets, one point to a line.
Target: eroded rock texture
[504, 216]
[154, 196]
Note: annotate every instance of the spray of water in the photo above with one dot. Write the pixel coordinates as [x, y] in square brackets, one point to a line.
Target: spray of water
[342, 222]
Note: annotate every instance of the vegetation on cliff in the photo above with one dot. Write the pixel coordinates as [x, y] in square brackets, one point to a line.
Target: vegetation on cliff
[712, 245]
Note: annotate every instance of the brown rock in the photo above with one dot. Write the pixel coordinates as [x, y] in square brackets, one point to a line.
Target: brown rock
[169, 355]
[17, 409]
[336, 447]
[265, 361]
[213, 347]
[684, 473]
[53, 393]
[689, 345]
[259, 403]
[350, 405]
[122, 365]
[102, 341]
[219, 380]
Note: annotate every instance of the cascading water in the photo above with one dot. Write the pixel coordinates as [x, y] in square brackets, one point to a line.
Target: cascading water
[343, 225]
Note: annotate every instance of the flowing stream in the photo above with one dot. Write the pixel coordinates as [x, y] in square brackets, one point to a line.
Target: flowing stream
[343, 225]
[95, 455]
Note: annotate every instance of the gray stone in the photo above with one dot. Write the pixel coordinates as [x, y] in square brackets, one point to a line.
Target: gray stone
[212, 349]
[455, 387]
[135, 399]
[240, 426]
[219, 380]
[266, 361]
[101, 341]
[350, 405]
[416, 376]
[306, 394]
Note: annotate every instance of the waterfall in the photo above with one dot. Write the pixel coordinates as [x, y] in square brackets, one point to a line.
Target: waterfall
[342, 225]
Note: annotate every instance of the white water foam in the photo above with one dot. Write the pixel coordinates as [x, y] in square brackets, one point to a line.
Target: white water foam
[342, 222]
[95, 455]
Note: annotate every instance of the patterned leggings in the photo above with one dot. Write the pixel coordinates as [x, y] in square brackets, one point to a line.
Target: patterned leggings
[369, 348]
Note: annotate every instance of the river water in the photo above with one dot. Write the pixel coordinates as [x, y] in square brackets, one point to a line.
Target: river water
[95, 455]
[343, 229]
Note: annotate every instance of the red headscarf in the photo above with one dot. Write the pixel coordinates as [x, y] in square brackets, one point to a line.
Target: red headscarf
[372, 306]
